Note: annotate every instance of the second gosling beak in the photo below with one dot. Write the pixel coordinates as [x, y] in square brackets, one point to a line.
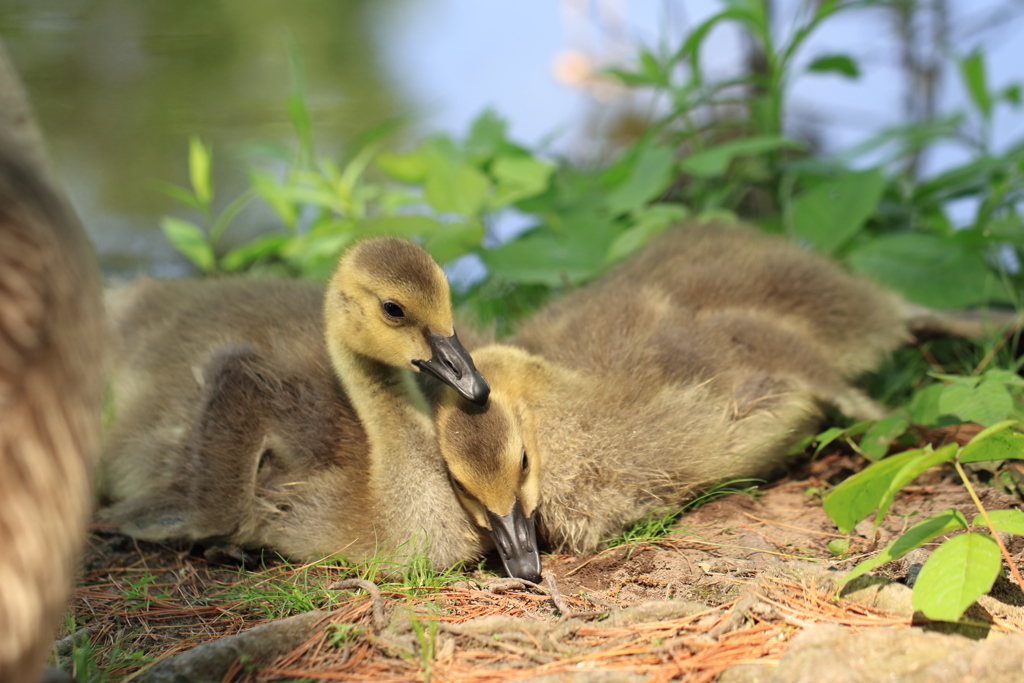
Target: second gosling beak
[452, 364]
[516, 537]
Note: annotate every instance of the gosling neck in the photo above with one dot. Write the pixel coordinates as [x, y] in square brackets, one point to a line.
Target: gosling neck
[414, 509]
[393, 411]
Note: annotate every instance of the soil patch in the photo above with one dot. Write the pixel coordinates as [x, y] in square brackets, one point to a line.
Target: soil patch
[733, 584]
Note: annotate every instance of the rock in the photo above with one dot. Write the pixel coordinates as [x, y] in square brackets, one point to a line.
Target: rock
[880, 593]
[51, 675]
[210, 661]
[831, 653]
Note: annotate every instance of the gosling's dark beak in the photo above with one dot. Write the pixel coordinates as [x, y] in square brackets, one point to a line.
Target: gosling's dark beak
[452, 364]
[516, 537]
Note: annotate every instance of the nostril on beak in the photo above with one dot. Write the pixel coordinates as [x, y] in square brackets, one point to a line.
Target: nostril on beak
[451, 366]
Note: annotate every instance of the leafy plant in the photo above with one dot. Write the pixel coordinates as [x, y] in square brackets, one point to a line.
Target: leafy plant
[965, 566]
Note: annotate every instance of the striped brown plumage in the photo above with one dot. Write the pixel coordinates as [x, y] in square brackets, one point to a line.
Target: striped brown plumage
[50, 329]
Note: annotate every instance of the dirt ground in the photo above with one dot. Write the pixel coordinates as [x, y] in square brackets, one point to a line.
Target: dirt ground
[735, 583]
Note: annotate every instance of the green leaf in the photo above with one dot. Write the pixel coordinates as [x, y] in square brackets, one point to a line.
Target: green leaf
[182, 195]
[958, 572]
[296, 195]
[316, 254]
[875, 443]
[650, 222]
[518, 177]
[267, 187]
[1011, 95]
[916, 536]
[1009, 521]
[998, 442]
[925, 460]
[410, 167]
[542, 256]
[199, 171]
[1005, 377]
[228, 214]
[927, 270]
[829, 214]
[801, 445]
[486, 136]
[694, 41]
[985, 404]
[651, 174]
[839, 64]
[628, 77]
[827, 437]
[924, 406]
[653, 70]
[972, 70]
[298, 114]
[839, 546]
[960, 181]
[246, 254]
[854, 499]
[454, 186]
[714, 162]
[188, 239]
[454, 240]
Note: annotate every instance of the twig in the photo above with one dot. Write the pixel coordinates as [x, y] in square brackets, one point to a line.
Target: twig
[378, 603]
[556, 597]
[591, 597]
[500, 586]
[995, 534]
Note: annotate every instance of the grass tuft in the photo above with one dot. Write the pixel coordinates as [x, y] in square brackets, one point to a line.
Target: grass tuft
[659, 523]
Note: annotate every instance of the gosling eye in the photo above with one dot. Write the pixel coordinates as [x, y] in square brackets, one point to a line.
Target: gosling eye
[458, 485]
[393, 310]
[526, 461]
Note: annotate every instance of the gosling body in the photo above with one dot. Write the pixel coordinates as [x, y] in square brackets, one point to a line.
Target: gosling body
[277, 414]
[704, 358]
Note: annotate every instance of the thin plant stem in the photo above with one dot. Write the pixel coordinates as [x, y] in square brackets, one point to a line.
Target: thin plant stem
[984, 513]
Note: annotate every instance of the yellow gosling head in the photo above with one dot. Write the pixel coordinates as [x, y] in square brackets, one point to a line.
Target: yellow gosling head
[389, 300]
[495, 467]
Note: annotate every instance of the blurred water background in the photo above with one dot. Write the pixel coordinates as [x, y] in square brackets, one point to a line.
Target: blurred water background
[120, 85]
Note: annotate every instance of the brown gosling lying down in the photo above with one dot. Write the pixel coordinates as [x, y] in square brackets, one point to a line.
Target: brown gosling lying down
[51, 324]
[231, 426]
[703, 358]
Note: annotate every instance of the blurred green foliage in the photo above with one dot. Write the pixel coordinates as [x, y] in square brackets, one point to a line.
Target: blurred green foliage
[692, 161]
